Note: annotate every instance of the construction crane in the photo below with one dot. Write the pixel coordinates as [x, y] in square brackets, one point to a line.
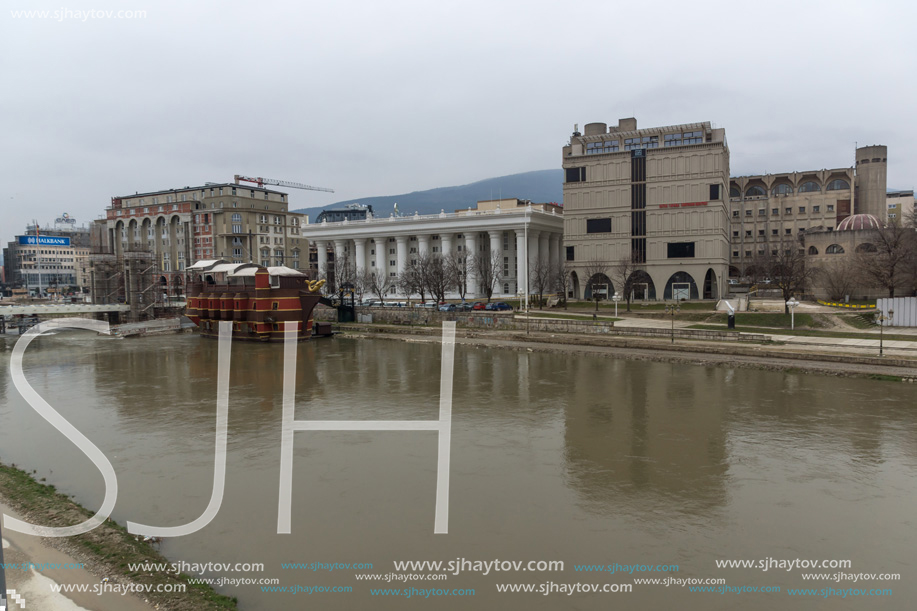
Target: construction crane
[280, 183]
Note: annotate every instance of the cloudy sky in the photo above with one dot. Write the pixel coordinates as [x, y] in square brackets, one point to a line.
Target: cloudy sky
[378, 98]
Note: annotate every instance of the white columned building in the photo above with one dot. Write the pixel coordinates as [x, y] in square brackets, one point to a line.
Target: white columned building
[492, 228]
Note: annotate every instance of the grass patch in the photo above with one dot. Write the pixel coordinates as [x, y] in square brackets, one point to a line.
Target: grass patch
[858, 321]
[109, 545]
[884, 378]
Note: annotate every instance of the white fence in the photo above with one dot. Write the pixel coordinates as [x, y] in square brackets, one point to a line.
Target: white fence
[905, 311]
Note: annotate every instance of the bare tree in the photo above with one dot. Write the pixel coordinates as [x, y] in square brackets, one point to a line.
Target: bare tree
[459, 265]
[410, 281]
[380, 283]
[562, 281]
[489, 272]
[540, 278]
[440, 276]
[623, 276]
[840, 277]
[787, 269]
[597, 271]
[888, 260]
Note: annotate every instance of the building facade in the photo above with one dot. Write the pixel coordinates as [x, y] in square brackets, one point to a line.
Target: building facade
[520, 233]
[653, 199]
[899, 206]
[180, 226]
[769, 210]
[46, 260]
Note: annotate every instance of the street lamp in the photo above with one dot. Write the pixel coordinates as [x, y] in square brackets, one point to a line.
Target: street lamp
[616, 298]
[792, 303]
[672, 310]
[881, 319]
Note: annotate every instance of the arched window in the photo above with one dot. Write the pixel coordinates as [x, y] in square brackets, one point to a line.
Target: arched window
[809, 187]
[236, 218]
[783, 189]
[734, 192]
[754, 191]
[813, 250]
[834, 249]
[838, 185]
[866, 247]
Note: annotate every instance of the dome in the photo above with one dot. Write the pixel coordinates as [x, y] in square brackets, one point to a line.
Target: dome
[858, 222]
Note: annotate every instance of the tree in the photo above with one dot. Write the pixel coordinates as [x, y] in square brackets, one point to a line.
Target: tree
[440, 276]
[839, 277]
[561, 274]
[540, 278]
[380, 283]
[459, 266]
[786, 267]
[891, 263]
[489, 272]
[624, 275]
[410, 281]
[597, 272]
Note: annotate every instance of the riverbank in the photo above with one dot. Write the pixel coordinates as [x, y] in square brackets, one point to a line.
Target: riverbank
[104, 552]
[836, 361]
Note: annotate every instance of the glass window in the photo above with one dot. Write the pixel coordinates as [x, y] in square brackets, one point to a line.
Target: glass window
[754, 191]
[838, 185]
[809, 187]
[783, 189]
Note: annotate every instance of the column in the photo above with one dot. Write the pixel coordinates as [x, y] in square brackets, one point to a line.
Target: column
[521, 255]
[446, 241]
[423, 244]
[402, 256]
[495, 257]
[471, 251]
[338, 257]
[544, 247]
[321, 248]
[557, 250]
[533, 247]
[359, 254]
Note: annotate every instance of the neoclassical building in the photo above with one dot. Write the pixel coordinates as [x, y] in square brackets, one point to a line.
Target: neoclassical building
[519, 231]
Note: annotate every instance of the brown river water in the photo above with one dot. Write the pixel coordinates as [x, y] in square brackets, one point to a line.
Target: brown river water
[555, 457]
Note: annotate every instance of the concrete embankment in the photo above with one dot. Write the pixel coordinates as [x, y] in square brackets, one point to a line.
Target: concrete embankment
[814, 359]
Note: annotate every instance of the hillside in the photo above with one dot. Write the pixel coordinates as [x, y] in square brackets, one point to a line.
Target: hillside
[538, 186]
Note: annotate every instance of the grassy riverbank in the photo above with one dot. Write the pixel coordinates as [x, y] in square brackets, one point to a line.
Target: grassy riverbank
[107, 550]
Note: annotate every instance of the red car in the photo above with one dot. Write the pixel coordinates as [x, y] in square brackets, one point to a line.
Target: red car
[480, 305]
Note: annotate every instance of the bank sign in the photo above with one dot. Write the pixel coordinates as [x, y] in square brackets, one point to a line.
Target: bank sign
[44, 240]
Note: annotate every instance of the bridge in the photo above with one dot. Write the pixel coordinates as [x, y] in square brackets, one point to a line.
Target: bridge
[60, 309]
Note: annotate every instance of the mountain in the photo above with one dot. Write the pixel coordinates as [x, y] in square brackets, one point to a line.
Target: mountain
[539, 186]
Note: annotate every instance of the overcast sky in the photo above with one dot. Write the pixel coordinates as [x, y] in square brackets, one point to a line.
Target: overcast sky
[379, 98]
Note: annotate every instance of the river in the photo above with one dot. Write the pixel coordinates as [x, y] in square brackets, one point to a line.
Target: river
[555, 457]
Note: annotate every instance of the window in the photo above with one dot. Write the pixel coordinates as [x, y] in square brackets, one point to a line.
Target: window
[775, 211]
[786, 231]
[762, 212]
[735, 213]
[608, 146]
[735, 234]
[734, 192]
[735, 254]
[275, 305]
[747, 253]
[576, 175]
[783, 189]
[809, 187]
[773, 232]
[237, 228]
[392, 263]
[570, 253]
[813, 250]
[816, 209]
[598, 225]
[838, 185]
[748, 212]
[680, 250]
[761, 232]
[755, 191]
[788, 210]
[834, 249]
[748, 233]
[802, 210]
[714, 192]
[830, 207]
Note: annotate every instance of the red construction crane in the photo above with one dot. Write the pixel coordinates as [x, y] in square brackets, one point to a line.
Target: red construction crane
[280, 183]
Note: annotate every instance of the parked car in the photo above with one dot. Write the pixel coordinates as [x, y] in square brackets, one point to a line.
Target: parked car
[499, 306]
[480, 305]
[425, 304]
[463, 307]
[448, 307]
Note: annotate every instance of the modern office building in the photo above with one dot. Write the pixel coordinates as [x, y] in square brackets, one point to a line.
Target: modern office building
[48, 260]
[507, 229]
[899, 205]
[652, 198]
[218, 220]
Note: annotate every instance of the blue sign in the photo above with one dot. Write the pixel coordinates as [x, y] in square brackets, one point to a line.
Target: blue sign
[44, 240]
